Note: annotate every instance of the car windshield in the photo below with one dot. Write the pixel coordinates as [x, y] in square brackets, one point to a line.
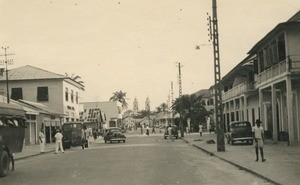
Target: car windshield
[240, 125]
[115, 130]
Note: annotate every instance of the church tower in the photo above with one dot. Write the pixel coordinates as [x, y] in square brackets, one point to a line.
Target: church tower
[147, 104]
[135, 105]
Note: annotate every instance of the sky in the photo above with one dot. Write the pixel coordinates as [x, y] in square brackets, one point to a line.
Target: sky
[135, 45]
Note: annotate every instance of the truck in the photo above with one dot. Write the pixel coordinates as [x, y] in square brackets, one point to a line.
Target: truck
[12, 134]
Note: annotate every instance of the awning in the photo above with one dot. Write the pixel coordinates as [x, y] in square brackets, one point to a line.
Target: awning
[11, 110]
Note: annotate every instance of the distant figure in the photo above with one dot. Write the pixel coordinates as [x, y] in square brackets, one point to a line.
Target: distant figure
[58, 142]
[153, 130]
[141, 129]
[187, 131]
[259, 139]
[147, 130]
[200, 129]
[170, 133]
[42, 141]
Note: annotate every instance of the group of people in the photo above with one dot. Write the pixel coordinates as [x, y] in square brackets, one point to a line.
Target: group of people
[58, 141]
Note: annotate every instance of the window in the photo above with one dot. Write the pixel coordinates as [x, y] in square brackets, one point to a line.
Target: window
[72, 96]
[42, 94]
[16, 93]
[76, 97]
[67, 94]
[281, 48]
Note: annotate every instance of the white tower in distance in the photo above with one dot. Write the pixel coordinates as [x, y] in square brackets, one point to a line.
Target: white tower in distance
[135, 105]
[147, 104]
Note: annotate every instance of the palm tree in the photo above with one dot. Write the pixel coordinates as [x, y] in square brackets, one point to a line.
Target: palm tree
[190, 107]
[120, 97]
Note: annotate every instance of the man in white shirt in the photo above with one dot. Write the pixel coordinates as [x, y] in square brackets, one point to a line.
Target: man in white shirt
[42, 141]
[258, 136]
[58, 141]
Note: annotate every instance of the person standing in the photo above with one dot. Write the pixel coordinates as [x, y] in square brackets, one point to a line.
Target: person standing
[170, 133]
[58, 141]
[147, 130]
[200, 129]
[42, 141]
[258, 136]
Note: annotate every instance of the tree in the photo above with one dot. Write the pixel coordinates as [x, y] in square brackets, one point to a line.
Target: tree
[120, 97]
[190, 106]
[162, 108]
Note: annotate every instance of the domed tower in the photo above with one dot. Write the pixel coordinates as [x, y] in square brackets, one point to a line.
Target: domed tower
[147, 104]
[135, 105]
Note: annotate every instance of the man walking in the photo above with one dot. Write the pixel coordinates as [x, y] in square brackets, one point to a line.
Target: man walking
[42, 141]
[200, 129]
[259, 139]
[58, 141]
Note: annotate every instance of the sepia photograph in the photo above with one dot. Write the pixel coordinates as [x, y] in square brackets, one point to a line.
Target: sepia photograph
[149, 92]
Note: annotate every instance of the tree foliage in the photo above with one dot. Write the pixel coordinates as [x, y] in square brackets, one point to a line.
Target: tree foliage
[190, 106]
[120, 97]
[163, 107]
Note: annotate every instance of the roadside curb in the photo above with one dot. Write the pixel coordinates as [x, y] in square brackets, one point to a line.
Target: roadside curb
[234, 164]
[33, 155]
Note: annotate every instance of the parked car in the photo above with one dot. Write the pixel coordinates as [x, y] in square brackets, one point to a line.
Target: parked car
[174, 132]
[74, 135]
[239, 131]
[114, 134]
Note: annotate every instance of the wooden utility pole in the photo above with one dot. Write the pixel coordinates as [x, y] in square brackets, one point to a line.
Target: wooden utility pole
[217, 73]
[180, 95]
[7, 62]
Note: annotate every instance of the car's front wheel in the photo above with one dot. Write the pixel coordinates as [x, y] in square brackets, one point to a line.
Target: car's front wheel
[4, 163]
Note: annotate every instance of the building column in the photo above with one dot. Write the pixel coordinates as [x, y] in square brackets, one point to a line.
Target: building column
[290, 109]
[260, 97]
[274, 113]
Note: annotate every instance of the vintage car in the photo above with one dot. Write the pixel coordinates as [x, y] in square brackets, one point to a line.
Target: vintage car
[74, 135]
[239, 131]
[174, 132]
[114, 134]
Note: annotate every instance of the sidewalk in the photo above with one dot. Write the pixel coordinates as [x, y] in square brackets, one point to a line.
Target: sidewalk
[34, 150]
[281, 167]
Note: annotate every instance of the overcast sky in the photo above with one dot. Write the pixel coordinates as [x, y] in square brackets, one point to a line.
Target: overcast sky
[133, 45]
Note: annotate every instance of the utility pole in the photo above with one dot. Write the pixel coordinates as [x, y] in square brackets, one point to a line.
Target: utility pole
[172, 101]
[180, 95]
[7, 62]
[217, 74]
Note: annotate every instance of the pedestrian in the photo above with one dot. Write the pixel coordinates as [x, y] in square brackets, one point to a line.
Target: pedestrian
[170, 133]
[187, 131]
[259, 139]
[147, 130]
[42, 141]
[142, 129]
[12, 160]
[200, 129]
[58, 141]
[153, 130]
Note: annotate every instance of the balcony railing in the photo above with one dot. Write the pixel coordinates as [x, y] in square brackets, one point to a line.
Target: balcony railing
[237, 90]
[290, 65]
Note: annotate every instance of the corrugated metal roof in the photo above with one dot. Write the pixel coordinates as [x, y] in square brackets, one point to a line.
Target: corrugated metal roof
[29, 73]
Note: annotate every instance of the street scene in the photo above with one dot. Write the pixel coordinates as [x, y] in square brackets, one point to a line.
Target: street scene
[150, 92]
[141, 160]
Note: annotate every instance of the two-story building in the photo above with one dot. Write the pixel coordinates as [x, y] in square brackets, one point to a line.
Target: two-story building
[266, 84]
[58, 92]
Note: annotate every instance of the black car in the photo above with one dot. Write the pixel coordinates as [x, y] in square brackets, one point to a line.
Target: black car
[240, 131]
[174, 132]
[114, 134]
